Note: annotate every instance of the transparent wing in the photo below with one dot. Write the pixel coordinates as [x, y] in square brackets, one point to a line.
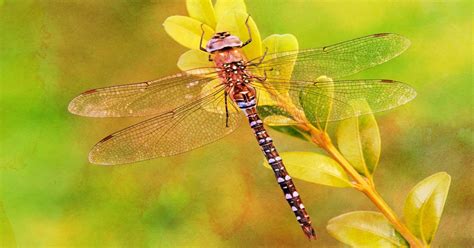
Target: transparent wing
[183, 129]
[335, 61]
[145, 98]
[335, 100]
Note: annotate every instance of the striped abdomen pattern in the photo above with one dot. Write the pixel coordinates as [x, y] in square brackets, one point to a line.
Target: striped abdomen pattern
[292, 196]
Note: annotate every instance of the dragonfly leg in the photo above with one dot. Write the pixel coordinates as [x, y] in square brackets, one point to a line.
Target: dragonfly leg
[200, 42]
[260, 60]
[226, 109]
[262, 79]
[250, 34]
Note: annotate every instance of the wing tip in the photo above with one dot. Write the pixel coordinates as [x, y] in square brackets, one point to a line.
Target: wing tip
[95, 155]
[406, 43]
[99, 155]
[411, 92]
[409, 95]
[94, 158]
[75, 104]
[78, 107]
[72, 107]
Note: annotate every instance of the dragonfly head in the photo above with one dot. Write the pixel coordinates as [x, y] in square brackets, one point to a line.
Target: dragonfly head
[222, 40]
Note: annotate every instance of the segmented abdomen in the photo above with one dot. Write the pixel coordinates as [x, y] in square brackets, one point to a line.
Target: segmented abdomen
[275, 161]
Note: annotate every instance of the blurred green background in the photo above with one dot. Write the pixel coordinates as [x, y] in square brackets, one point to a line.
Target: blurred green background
[218, 195]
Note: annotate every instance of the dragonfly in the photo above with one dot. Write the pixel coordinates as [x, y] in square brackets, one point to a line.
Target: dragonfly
[189, 109]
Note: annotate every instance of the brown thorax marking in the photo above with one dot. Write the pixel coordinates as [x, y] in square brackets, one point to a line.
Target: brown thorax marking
[234, 73]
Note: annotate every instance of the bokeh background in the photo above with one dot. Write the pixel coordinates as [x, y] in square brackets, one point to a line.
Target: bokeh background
[219, 195]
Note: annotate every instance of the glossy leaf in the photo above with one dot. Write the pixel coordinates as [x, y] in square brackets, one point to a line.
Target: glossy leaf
[424, 205]
[272, 114]
[187, 31]
[193, 59]
[279, 120]
[275, 44]
[234, 22]
[222, 7]
[312, 102]
[315, 168]
[271, 110]
[365, 229]
[290, 130]
[202, 10]
[358, 140]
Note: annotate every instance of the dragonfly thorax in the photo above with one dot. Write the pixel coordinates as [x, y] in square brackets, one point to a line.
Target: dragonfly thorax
[222, 40]
[227, 56]
[234, 73]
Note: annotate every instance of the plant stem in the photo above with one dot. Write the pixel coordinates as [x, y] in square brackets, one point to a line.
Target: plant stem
[322, 140]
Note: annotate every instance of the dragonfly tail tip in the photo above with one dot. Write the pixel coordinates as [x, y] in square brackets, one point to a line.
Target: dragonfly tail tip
[309, 232]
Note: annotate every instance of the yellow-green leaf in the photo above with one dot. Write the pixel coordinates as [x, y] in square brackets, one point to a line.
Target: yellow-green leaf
[275, 44]
[7, 238]
[193, 59]
[234, 22]
[275, 115]
[315, 168]
[202, 10]
[187, 31]
[358, 140]
[318, 107]
[222, 7]
[365, 229]
[424, 205]
[278, 119]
